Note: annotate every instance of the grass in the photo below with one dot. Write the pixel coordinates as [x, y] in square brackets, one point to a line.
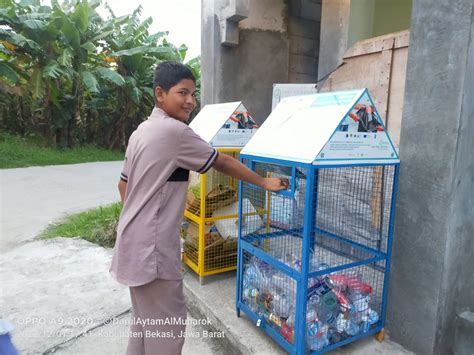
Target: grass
[20, 152]
[97, 226]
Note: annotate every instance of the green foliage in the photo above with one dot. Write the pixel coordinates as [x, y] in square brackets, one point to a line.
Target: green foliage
[32, 150]
[75, 78]
[96, 226]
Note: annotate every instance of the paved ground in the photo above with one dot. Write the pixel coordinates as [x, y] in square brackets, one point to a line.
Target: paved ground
[32, 197]
[58, 293]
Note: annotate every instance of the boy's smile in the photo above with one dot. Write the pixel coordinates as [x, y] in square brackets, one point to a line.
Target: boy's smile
[179, 101]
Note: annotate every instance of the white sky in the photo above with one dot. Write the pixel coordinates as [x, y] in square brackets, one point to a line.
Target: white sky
[182, 18]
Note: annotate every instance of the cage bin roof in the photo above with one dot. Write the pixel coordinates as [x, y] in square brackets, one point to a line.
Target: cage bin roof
[225, 125]
[332, 128]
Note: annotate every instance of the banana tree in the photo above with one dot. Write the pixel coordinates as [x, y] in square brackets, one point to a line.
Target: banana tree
[82, 30]
[135, 52]
[27, 57]
[77, 77]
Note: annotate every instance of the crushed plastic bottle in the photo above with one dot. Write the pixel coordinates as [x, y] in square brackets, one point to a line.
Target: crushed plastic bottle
[281, 306]
[361, 302]
[317, 335]
[373, 317]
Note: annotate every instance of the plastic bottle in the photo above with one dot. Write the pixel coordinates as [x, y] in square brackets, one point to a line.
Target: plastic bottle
[317, 335]
[250, 298]
[351, 328]
[373, 317]
[290, 321]
[361, 302]
[346, 325]
[280, 305]
[251, 276]
[316, 330]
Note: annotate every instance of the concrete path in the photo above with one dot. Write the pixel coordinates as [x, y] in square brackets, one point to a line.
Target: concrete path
[32, 197]
[58, 293]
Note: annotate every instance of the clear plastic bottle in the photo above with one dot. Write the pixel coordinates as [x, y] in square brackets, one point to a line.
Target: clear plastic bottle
[316, 330]
[281, 305]
[316, 335]
[373, 317]
[361, 309]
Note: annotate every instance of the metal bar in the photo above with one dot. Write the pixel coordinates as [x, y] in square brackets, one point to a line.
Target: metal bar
[220, 270]
[345, 266]
[188, 261]
[202, 222]
[229, 150]
[275, 161]
[352, 243]
[228, 216]
[239, 280]
[267, 329]
[302, 285]
[358, 164]
[277, 264]
[348, 340]
[389, 244]
[192, 216]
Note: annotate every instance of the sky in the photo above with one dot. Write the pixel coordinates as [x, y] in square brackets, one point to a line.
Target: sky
[182, 18]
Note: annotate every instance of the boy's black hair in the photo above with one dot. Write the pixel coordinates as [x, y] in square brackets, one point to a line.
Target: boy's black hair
[169, 73]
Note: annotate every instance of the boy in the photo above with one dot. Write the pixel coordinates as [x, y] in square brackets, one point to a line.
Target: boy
[153, 186]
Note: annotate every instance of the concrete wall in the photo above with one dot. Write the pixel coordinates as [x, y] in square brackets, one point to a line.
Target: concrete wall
[304, 30]
[361, 22]
[277, 42]
[431, 278]
[245, 71]
[344, 22]
[391, 16]
[335, 17]
[260, 59]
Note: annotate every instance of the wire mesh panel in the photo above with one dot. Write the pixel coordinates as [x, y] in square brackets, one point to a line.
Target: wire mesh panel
[271, 294]
[313, 259]
[342, 304]
[210, 227]
[274, 221]
[354, 203]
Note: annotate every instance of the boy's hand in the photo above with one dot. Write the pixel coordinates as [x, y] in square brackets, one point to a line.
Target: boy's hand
[276, 184]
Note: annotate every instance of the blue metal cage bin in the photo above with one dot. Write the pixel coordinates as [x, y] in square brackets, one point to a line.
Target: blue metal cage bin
[314, 260]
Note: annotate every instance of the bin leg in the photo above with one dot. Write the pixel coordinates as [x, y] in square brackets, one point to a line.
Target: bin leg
[201, 280]
[380, 336]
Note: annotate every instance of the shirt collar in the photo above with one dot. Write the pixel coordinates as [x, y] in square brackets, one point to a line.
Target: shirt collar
[157, 113]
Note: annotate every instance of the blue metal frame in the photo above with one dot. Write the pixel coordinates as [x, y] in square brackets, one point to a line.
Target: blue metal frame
[352, 243]
[309, 231]
[302, 285]
[349, 340]
[259, 253]
[238, 288]
[389, 245]
[288, 193]
[329, 166]
[269, 330]
[276, 161]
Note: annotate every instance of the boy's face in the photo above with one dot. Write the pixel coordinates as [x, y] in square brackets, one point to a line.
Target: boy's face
[179, 101]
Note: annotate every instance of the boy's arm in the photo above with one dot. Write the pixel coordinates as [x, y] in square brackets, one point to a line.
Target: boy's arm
[122, 186]
[230, 166]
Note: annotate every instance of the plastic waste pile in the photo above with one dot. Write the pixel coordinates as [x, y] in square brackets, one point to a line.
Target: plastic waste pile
[338, 304]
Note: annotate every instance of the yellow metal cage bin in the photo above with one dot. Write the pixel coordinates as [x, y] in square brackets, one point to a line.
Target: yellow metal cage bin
[209, 228]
